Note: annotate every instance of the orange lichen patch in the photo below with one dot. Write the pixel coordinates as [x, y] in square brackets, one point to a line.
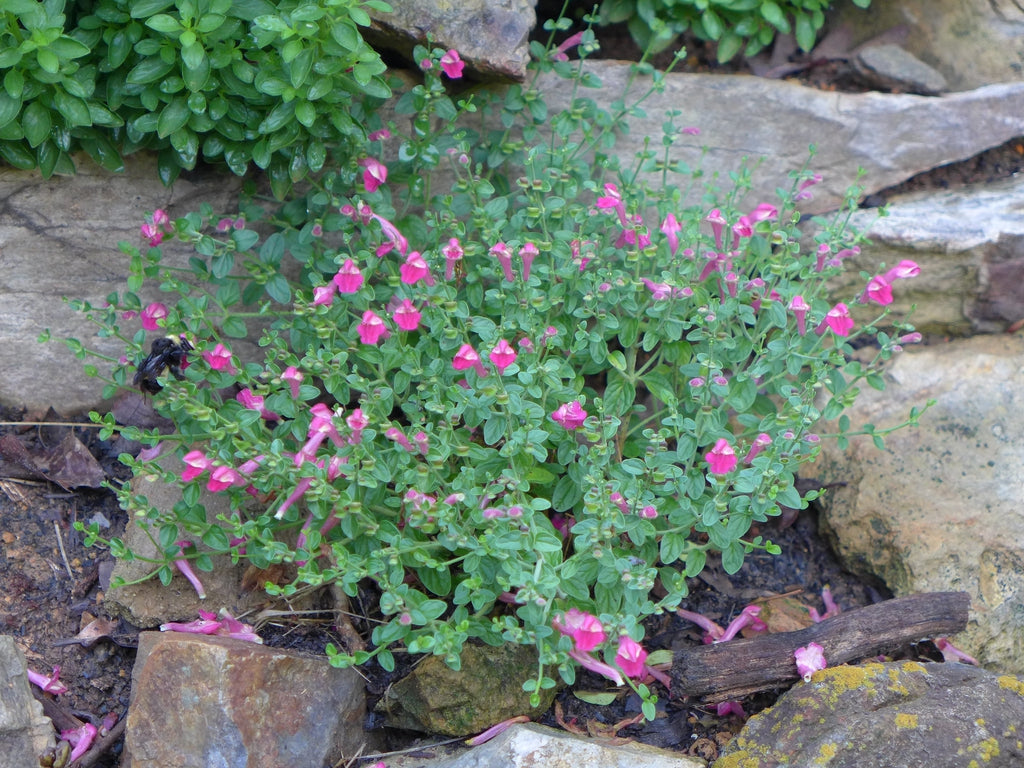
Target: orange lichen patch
[826, 752]
[906, 721]
[1011, 683]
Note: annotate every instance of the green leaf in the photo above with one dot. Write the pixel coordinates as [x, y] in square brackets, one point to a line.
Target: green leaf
[14, 83]
[48, 61]
[619, 394]
[149, 70]
[806, 34]
[141, 9]
[597, 698]
[774, 15]
[9, 108]
[173, 117]
[732, 558]
[36, 123]
[74, 110]
[279, 116]
[673, 544]
[165, 23]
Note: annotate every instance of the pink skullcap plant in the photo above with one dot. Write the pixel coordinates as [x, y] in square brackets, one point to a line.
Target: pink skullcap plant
[152, 315]
[570, 415]
[371, 328]
[502, 356]
[219, 358]
[878, 290]
[80, 738]
[501, 252]
[51, 684]
[406, 316]
[415, 269]
[198, 462]
[349, 279]
[838, 320]
[467, 358]
[585, 629]
[222, 478]
[375, 173]
[185, 569]
[452, 255]
[560, 53]
[799, 308]
[721, 458]
[670, 227]
[452, 64]
[294, 377]
[528, 253]
[631, 657]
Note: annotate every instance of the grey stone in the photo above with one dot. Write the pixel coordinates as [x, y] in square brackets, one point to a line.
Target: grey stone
[969, 244]
[490, 35]
[940, 509]
[25, 732]
[58, 238]
[487, 689]
[888, 715]
[204, 702]
[529, 745]
[772, 123]
[890, 67]
[971, 42]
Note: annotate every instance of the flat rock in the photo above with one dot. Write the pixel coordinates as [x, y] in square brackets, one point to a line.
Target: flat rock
[529, 745]
[891, 67]
[25, 732]
[202, 701]
[969, 244]
[491, 36]
[971, 42]
[891, 136]
[940, 508]
[888, 715]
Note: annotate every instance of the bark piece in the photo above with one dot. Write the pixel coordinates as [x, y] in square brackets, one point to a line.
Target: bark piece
[741, 667]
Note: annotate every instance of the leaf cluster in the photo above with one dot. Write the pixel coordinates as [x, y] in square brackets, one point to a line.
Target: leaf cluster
[271, 84]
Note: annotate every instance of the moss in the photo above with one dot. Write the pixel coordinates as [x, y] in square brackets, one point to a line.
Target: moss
[906, 721]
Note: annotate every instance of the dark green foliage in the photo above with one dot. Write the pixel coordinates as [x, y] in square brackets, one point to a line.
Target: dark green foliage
[736, 25]
[275, 84]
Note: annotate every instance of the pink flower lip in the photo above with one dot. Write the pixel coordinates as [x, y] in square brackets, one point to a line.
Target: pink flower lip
[810, 659]
[570, 415]
[721, 458]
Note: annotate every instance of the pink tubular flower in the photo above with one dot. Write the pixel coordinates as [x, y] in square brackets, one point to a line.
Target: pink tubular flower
[161, 219]
[222, 478]
[648, 512]
[300, 490]
[357, 422]
[255, 402]
[559, 53]
[503, 255]
[152, 233]
[760, 443]
[349, 279]
[152, 315]
[490, 733]
[802, 193]
[379, 135]
[585, 629]
[406, 316]
[528, 253]
[393, 239]
[950, 653]
[467, 358]
[80, 738]
[589, 662]
[799, 308]
[422, 441]
[51, 684]
[831, 609]
[324, 295]
[809, 659]
[294, 378]
[502, 356]
[185, 569]
[748, 617]
[670, 227]
[724, 708]
[371, 328]
[570, 415]
[902, 271]
[394, 433]
[452, 254]
[838, 319]
[219, 358]
[631, 657]
[452, 64]
[375, 173]
[415, 269]
[878, 290]
[717, 222]
[197, 462]
[206, 624]
[721, 458]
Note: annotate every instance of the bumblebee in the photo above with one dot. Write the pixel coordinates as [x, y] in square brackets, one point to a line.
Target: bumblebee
[166, 354]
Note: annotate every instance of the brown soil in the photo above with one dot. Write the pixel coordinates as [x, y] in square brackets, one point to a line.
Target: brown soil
[50, 594]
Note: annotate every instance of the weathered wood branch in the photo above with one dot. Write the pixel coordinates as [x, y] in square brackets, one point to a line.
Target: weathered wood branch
[737, 668]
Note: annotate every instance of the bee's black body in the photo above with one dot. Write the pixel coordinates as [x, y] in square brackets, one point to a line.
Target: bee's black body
[167, 353]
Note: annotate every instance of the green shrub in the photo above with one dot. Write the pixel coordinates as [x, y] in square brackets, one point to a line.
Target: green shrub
[735, 25]
[273, 84]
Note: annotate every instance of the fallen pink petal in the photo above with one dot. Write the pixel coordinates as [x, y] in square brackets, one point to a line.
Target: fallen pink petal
[496, 730]
[809, 659]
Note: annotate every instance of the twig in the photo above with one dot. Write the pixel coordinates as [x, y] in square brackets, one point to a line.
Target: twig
[741, 667]
[63, 554]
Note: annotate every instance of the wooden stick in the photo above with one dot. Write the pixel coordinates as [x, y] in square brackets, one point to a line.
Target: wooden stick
[740, 667]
